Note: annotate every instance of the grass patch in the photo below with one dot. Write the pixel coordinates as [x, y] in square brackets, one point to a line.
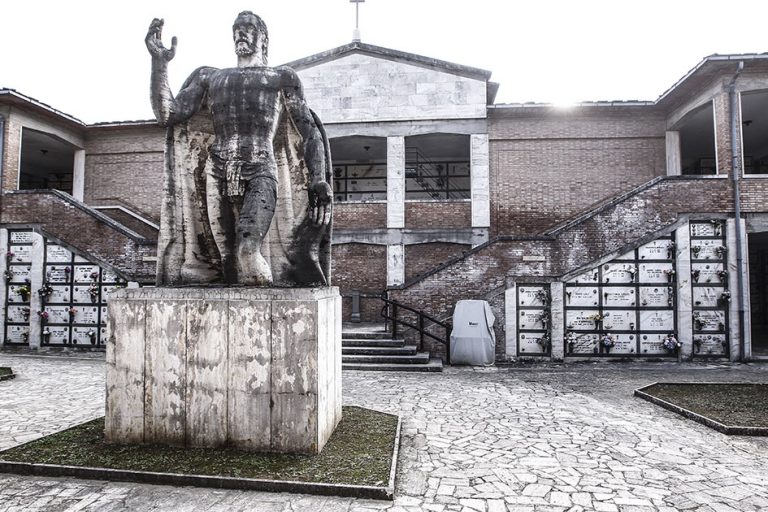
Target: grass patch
[6, 373]
[730, 404]
[358, 453]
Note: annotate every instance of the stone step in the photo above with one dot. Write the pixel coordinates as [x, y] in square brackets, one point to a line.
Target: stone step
[366, 335]
[433, 365]
[358, 342]
[407, 350]
[418, 358]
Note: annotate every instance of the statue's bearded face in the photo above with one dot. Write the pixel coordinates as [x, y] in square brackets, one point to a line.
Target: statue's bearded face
[246, 38]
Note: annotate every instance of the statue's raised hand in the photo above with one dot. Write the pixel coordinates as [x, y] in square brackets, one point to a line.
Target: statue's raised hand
[155, 42]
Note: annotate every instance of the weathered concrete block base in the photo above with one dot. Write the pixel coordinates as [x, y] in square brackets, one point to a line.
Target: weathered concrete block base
[254, 368]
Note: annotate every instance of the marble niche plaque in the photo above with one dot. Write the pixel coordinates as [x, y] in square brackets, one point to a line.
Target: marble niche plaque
[652, 344]
[59, 334]
[708, 321]
[532, 319]
[58, 274]
[707, 249]
[588, 277]
[581, 296]
[16, 314]
[60, 293]
[529, 343]
[619, 297]
[17, 333]
[706, 272]
[655, 272]
[109, 277]
[619, 320]
[80, 335]
[707, 296]
[657, 321]
[624, 344]
[656, 250]
[19, 273]
[81, 295]
[21, 237]
[83, 273]
[87, 315]
[619, 273]
[106, 290]
[57, 254]
[579, 320]
[531, 295]
[58, 314]
[21, 253]
[655, 296]
[709, 344]
[626, 256]
[586, 344]
[104, 315]
[713, 229]
[13, 294]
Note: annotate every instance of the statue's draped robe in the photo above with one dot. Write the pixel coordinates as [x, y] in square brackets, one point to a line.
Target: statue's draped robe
[298, 250]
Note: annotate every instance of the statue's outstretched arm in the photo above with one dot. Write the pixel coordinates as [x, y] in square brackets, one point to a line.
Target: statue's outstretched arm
[320, 193]
[168, 110]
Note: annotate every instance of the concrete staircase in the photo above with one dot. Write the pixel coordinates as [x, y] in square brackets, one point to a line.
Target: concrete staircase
[369, 347]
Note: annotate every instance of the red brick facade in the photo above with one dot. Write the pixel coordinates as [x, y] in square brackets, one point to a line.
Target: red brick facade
[436, 215]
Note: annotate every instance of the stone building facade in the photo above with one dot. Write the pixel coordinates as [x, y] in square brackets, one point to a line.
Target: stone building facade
[594, 231]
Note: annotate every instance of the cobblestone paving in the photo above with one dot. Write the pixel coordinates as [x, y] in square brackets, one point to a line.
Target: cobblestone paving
[532, 439]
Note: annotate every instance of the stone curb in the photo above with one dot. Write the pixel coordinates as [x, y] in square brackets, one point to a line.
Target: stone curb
[219, 482]
[731, 430]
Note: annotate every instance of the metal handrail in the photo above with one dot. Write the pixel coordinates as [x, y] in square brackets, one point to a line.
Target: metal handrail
[397, 306]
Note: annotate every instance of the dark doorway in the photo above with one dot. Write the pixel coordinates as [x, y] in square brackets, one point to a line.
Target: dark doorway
[758, 292]
[46, 162]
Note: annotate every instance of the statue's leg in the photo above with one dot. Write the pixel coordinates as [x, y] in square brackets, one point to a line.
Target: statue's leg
[222, 220]
[256, 216]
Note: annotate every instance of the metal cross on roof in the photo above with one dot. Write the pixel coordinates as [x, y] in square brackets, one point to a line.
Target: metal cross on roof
[356, 32]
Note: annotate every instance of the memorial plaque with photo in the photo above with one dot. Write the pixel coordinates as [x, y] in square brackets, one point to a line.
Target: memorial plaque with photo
[656, 297]
[705, 229]
[652, 344]
[619, 297]
[109, 277]
[581, 320]
[21, 253]
[57, 314]
[620, 320]
[655, 272]
[588, 277]
[19, 273]
[83, 273]
[57, 254]
[21, 237]
[707, 249]
[532, 319]
[81, 294]
[656, 250]
[17, 334]
[707, 296]
[18, 314]
[60, 294]
[707, 273]
[14, 296]
[582, 344]
[85, 336]
[532, 295]
[657, 321]
[87, 315]
[60, 274]
[619, 273]
[626, 256]
[59, 335]
[580, 296]
[704, 321]
[530, 343]
[624, 344]
[709, 345]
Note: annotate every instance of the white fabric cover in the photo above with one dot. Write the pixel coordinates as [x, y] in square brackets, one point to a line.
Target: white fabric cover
[473, 341]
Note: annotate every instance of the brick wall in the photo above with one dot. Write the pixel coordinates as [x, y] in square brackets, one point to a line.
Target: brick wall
[420, 258]
[359, 215]
[125, 166]
[549, 166]
[433, 215]
[361, 267]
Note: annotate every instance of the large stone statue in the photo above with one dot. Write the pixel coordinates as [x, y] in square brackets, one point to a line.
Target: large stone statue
[248, 183]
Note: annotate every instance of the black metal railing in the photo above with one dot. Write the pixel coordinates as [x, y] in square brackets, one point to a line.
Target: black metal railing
[391, 311]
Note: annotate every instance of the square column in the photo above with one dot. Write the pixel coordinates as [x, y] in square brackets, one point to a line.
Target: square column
[480, 181]
[395, 264]
[674, 166]
[395, 182]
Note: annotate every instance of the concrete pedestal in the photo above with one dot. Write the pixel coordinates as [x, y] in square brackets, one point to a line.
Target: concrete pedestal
[253, 368]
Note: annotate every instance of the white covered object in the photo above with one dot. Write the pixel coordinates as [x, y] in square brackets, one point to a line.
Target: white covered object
[472, 338]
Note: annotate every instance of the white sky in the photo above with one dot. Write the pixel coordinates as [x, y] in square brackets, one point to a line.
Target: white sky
[87, 58]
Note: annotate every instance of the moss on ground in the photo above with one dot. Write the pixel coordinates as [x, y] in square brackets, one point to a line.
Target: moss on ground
[5, 372]
[358, 453]
[744, 405]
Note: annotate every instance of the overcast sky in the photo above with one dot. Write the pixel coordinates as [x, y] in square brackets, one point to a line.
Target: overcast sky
[87, 58]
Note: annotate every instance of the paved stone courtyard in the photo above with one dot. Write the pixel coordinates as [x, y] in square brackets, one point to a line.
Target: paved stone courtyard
[542, 438]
